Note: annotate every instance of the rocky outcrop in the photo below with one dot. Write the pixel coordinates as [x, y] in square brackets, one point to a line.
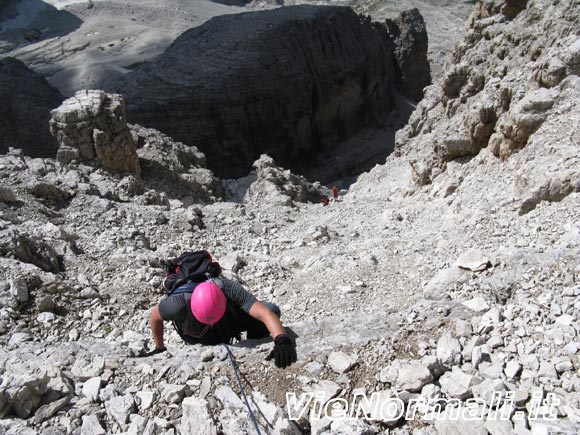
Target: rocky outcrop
[174, 167]
[287, 82]
[504, 82]
[276, 186]
[26, 100]
[92, 127]
[409, 34]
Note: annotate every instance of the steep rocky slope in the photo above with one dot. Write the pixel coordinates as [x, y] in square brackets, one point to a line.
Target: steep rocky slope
[431, 278]
[26, 100]
[288, 82]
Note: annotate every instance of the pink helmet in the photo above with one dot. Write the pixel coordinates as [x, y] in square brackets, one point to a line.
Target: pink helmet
[208, 303]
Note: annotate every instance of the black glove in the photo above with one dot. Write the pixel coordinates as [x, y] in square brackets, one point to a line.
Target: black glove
[153, 352]
[284, 352]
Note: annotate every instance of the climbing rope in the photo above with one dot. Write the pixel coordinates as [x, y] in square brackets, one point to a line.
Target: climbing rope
[235, 366]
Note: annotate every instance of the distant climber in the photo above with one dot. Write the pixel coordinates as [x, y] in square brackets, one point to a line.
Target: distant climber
[209, 310]
[335, 192]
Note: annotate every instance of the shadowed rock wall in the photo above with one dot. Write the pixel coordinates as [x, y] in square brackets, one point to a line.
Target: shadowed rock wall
[26, 100]
[286, 82]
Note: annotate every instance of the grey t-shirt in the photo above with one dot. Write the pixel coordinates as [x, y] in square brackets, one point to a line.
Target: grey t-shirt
[177, 309]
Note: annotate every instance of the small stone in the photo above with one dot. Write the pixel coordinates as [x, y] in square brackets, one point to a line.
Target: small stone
[46, 304]
[477, 304]
[46, 318]
[172, 393]
[512, 370]
[84, 370]
[547, 370]
[565, 319]
[341, 362]
[7, 195]
[474, 341]
[571, 349]
[480, 354]
[231, 262]
[490, 320]
[530, 362]
[495, 341]
[491, 371]
[137, 426]
[490, 390]
[227, 396]
[196, 417]
[456, 384]
[473, 260]
[448, 350]
[48, 410]
[412, 377]
[564, 366]
[120, 407]
[207, 355]
[388, 375]
[91, 426]
[19, 290]
[328, 389]
[145, 399]
[520, 398]
[499, 426]
[91, 388]
[463, 328]
[314, 367]
[73, 334]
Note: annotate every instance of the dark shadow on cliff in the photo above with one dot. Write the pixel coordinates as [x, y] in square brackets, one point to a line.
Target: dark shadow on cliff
[28, 21]
[342, 164]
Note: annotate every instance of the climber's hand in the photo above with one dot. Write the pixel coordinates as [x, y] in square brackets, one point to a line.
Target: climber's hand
[284, 352]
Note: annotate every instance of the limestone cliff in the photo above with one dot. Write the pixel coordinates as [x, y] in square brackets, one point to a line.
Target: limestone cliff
[287, 82]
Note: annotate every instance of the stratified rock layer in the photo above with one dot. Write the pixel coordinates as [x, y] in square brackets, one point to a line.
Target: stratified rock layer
[286, 82]
[26, 100]
[92, 127]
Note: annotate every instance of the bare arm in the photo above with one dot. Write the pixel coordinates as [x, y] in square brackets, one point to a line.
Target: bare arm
[157, 327]
[263, 314]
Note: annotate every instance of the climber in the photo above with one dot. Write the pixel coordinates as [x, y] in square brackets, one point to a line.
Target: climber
[216, 311]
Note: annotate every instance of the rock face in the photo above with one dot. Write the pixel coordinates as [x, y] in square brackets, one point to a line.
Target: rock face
[286, 82]
[92, 127]
[506, 86]
[26, 100]
[409, 34]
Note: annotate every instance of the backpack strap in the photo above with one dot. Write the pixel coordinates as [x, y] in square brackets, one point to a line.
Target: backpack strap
[188, 287]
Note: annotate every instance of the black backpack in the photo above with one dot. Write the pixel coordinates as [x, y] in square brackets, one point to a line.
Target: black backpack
[189, 267]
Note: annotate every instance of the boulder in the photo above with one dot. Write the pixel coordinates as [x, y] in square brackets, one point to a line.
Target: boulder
[21, 393]
[276, 186]
[92, 127]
